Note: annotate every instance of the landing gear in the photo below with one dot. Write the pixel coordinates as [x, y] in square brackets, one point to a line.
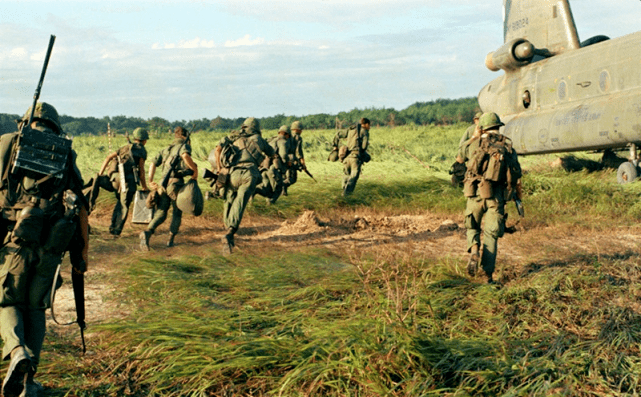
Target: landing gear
[628, 171]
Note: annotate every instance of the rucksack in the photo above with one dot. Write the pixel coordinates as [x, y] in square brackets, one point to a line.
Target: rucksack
[494, 160]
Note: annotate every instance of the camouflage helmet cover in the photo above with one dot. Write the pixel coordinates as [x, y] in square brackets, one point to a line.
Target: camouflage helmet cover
[489, 120]
[251, 124]
[285, 129]
[46, 113]
[297, 125]
[141, 134]
[478, 115]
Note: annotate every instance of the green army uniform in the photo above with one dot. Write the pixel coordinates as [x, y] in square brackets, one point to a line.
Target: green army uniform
[296, 154]
[273, 177]
[244, 176]
[357, 142]
[130, 156]
[39, 227]
[167, 196]
[486, 195]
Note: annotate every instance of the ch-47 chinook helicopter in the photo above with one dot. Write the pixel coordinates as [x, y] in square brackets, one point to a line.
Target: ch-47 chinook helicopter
[562, 95]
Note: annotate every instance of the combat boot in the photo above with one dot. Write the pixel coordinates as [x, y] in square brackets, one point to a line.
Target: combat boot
[32, 388]
[228, 241]
[473, 262]
[144, 240]
[170, 242]
[19, 366]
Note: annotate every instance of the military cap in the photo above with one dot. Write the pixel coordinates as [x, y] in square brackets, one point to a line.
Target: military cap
[489, 120]
[141, 134]
[47, 113]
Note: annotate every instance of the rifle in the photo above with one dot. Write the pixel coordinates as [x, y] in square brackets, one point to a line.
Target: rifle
[36, 95]
[304, 169]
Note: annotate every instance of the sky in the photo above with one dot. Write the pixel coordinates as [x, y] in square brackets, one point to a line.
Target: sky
[193, 59]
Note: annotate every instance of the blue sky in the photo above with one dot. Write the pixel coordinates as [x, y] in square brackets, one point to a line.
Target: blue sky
[192, 59]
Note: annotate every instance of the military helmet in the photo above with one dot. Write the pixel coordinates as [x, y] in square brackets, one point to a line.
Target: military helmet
[251, 124]
[285, 129]
[141, 134]
[47, 113]
[478, 115]
[297, 125]
[489, 120]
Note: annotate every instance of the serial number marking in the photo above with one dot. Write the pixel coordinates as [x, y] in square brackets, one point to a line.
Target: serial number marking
[520, 24]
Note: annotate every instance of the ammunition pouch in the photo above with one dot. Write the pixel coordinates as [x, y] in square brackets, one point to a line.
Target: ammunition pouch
[60, 236]
[28, 227]
[470, 186]
[495, 171]
[365, 157]
[485, 190]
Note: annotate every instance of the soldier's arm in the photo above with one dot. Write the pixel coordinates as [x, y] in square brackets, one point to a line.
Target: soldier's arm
[365, 141]
[190, 164]
[337, 139]
[106, 162]
[152, 171]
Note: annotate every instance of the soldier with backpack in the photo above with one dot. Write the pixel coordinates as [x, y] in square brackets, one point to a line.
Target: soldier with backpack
[353, 154]
[273, 170]
[238, 157]
[296, 151]
[176, 164]
[43, 210]
[125, 170]
[492, 178]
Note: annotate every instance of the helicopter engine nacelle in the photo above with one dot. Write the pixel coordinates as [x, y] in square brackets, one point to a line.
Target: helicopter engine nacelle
[510, 56]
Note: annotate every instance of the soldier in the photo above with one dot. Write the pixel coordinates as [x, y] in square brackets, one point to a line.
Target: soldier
[130, 159]
[177, 164]
[492, 177]
[357, 143]
[249, 151]
[296, 150]
[41, 213]
[458, 168]
[272, 184]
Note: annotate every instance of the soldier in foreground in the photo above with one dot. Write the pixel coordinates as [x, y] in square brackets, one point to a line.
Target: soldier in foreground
[125, 171]
[177, 164]
[492, 177]
[247, 150]
[355, 153]
[43, 209]
[458, 168]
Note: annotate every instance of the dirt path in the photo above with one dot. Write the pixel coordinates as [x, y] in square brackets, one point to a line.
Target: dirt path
[427, 235]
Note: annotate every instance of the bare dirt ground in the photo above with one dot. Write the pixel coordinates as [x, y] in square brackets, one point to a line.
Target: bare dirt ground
[426, 235]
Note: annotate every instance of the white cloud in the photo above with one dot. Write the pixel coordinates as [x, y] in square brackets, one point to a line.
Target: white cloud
[195, 43]
[244, 41]
[18, 53]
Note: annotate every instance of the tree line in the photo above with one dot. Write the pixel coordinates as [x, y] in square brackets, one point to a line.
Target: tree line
[440, 111]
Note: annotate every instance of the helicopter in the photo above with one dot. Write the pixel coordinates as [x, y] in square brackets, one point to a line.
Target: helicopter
[559, 94]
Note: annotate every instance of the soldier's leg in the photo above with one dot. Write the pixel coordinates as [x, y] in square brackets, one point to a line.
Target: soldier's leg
[246, 183]
[121, 210]
[276, 181]
[176, 218]
[160, 214]
[230, 197]
[352, 177]
[493, 229]
[473, 216]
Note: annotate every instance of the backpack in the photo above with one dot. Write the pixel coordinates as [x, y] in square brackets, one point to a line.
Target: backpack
[494, 161]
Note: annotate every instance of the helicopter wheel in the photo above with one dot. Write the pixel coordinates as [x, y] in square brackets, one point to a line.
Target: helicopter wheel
[627, 173]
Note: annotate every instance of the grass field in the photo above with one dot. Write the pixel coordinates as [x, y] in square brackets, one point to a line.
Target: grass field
[390, 318]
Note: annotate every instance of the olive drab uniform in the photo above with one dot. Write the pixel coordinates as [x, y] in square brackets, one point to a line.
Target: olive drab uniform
[296, 154]
[166, 197]
[244, 176]
[493, 171]
[129, 157]
[274, 174]
[38, 219]
[357, 142]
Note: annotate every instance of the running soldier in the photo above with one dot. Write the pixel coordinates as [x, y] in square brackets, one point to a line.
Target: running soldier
[125, 171]
[239, 156]
[296, 150]
[354, 153]
[274, 171]
[176, 164]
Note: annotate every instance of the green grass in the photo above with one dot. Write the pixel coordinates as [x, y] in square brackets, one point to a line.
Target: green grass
[389, 322]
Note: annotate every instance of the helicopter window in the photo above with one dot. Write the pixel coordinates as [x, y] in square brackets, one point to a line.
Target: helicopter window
[526, 99]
